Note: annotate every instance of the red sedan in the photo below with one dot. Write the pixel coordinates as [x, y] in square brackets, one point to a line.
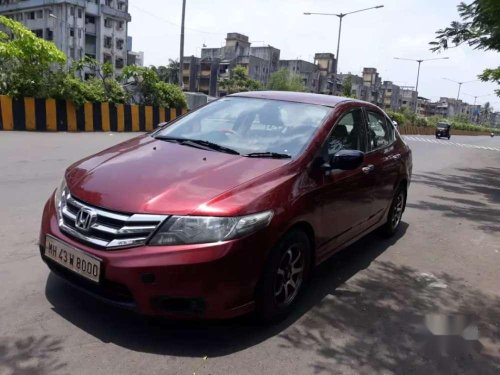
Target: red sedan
[229, 208]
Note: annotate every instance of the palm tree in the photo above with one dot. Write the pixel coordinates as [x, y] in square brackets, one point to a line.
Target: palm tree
[169, 73]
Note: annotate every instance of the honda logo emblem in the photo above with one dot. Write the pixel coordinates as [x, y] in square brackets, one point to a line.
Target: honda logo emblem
[85, 218]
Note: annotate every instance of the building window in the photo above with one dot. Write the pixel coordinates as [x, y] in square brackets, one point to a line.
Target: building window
[71, 32]
[30, 15]
[80, 13]
[38, 33]
[108, 42]
[119, 43]
[119, 25]
[119, 63]
[109, 3]
[108, 22]
[90, 19]
[108, 59]
[72, 53]
[122, 6]
[72, 11]
[39, 14]
[50, 34]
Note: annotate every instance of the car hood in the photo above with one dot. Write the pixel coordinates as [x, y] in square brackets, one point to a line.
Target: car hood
[145, 175]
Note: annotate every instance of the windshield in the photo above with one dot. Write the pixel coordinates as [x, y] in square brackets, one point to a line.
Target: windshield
[251, 126]
[443, 126]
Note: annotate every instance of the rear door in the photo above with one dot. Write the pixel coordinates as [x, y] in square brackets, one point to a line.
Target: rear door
[383, 158]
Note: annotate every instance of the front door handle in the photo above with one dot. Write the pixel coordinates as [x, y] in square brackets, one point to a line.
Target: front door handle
[368, 169]
[396, 157]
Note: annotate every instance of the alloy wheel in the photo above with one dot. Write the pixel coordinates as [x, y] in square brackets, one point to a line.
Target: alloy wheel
[289, 275]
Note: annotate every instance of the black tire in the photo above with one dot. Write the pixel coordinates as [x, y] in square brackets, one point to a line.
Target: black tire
[437, 137]
[271, 304]
[449, 137]
[395, 213]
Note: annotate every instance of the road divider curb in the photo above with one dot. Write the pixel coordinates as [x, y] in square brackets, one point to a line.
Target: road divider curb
[32, 114]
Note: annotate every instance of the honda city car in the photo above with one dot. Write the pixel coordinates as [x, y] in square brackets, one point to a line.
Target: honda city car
[229, 208]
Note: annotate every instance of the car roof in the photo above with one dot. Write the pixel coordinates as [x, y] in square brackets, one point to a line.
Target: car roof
[297, 97]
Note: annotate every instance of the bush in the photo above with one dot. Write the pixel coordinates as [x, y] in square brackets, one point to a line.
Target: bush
[148, 89]
[283, 80]
[421, 121]
[398, 117]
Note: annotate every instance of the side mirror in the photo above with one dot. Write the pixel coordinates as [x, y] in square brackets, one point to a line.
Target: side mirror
[347, 160]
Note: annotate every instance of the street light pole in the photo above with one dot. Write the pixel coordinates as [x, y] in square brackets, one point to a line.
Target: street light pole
[475, 100]
[341, 17]
[181, 59]
[459, 85]
[419, 61]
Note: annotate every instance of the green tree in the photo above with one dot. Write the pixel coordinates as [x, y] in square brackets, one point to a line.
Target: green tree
[283, 80]
[149, 89]
[239, 81]
[169, 73]
[27, 63]
[479, 28]
[347, 87]
[102, 87]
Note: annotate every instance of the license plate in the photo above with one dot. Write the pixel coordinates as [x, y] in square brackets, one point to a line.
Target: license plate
[73, 259]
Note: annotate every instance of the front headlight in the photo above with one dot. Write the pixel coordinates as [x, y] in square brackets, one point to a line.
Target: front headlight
[182, 230]
[60, 198]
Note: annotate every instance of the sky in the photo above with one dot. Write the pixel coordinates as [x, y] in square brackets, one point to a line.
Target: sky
[402, 28]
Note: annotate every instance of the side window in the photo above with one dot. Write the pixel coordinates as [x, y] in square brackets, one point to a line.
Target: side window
[380, 132]
[348, 134]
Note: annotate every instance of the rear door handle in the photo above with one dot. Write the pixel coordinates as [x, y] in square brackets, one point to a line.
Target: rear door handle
[368, 169]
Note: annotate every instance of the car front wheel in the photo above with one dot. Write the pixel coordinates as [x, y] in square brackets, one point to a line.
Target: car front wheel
[284, 276]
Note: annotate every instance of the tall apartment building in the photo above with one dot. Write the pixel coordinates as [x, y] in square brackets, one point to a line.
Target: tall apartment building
[373, 81]
[260, 62]
[306, 70]
[391, 95]
[95, 28]
[327, 64]
[358, 89]
[409, 98]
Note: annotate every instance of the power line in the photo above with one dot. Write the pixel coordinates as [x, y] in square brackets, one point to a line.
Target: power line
[173, 23]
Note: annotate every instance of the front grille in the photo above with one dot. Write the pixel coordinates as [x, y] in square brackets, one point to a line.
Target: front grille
[108, 230]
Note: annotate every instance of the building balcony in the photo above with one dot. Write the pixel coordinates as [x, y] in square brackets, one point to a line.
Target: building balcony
[116, 13]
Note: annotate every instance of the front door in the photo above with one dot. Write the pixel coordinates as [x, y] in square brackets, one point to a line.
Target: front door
[345, 197]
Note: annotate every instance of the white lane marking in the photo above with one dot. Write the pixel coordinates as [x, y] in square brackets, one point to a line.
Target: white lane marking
[448, 143]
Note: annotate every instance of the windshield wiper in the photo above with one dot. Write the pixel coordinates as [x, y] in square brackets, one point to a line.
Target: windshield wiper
[211, 146]
[198, 143]
[272, 155]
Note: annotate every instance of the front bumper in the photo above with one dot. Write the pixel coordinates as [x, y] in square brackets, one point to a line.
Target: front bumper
[211, 281]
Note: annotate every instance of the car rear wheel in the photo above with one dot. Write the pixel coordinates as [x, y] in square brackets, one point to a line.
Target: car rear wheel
[395, 213]
[284, 276]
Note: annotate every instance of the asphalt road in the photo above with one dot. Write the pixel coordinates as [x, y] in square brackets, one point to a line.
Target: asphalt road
[424, 302]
